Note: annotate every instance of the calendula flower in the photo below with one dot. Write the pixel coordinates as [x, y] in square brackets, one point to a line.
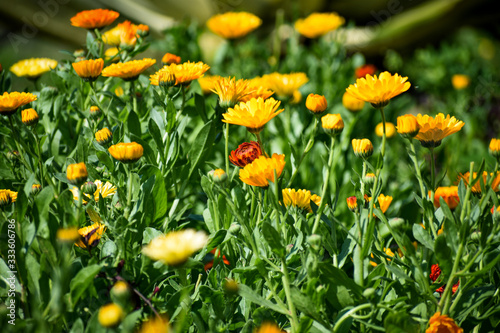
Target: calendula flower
[233, 25]
[184, 73]
[351, 103]
[29, 117]
[124, 35]
[90, 236]
[363, 70]
[206, 82]
[332, 124]
[33, 68]
[68, 235]
[104, 190]
[110, 315]
[218, 176]
[268, 327]
[352, 203]
[434, 275]
[449, 195]
[317, 104]
[300, 199]
[362, 147]
[89, 70]
[460, 81]
[257, 92]
[111, 54]
[318, 24]
[170, 58]
[384, 202]
[176, 247]
[155, 325]
[433, 130]
[104, 136]
[494, 148]
[126, 152]
[442, 324]
[476, 189]
[379, 90]
[94, 18]
[386, 251]
[5, 198]
[129, 70]
[253, 114]
[95, 112]
[245, 154]
[10, 102]
[390, 129]
[369, 178]
[408, 126]
[284, 85]
[210, 259]
[77, 173]
[261, 171]
[231, 91]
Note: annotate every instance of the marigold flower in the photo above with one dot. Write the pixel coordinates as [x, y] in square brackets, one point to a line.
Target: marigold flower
[408, 126]
[206, 82]
[362, 147]
[95, 112]
[210, 259]
[390, 129]
[352, 203]
[476, 189]
[460, 81]
[184, 73]
[351, 103]
[111, 54]
[104, 190]
[387, 251]
[110, 315]
[68, 235]
[449, 195]
[29, 117]
[318, 24]
[35, 189]
[253, 114]
[232, 25]
[332, 124]
[315, 103]
[90, 236]
[129, 70]
[494, 148]
[104, 136]
[10, 102]
[170, 58]
[442, 324]
[284, 85]
[33, 68]
[94, 18]
[245, 154]
[379, 91]
[176, 247]
[88, 70]
[433, 130]
[384, 202]
[363, 70]
[434, 275]
[259, 91]
[123, 35]
[155, 325]
[300, 199]
[5, 198]
[261, 171]
[77, 173]
[231, 91]
[126, 152]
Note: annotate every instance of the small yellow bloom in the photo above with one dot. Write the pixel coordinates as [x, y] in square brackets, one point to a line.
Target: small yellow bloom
[91, 235]
[261, 171]
[89, 70]
[33, 68]
[231, 91]
[29, 117]
[362, 147]
[351, 103]
[300, 199]
[176, 247]
[111, 54]
[442, 324]
[284, 85]
[184, 73]
[460, 81]
[5, 198]
[318, 24]
[126, 152]
[155, 325]
[68, 235]
[433, 130]
[332, 124]
[95, 112]
[104, 136]
[77, 173]
[390, 129]
[494, 148]
[10, 102]
[35, 189]
[119, 91]
[476, 189]
[130, 70]
[315, 103]
[253, 114]
[110, 315]
[379, 90]
[408, 126]
[232, 25]
[384, 202]
[94, 18]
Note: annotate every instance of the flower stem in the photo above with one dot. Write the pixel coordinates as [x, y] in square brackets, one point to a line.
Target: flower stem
[288, 293]
[259, 140]
[382, 150]
[308, 147]
[413, 157]
[226, 149]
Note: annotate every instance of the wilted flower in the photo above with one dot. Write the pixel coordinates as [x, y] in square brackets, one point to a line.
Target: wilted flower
[126, 152]
[90, 236]
[129, 70]
[332, 124]
[408, 126]
[110, 315]
[460, 81]
[363, 70]
[104, 136]
[77, 173]
[390, 129]
[231, 91]
[476, 189]
[449, 195]
[89, 70]
[10, 102]
[494, 148]
[316, 103]
[351, 103]
[300, 199]
[232, 25]
[33, 68]
[433, 130]
[170, 58]
[362, 147]
[261, 171]
[253, 114]
[29, 117]
[245, 154]
[318, 24]
[94, 19]
[442, 324]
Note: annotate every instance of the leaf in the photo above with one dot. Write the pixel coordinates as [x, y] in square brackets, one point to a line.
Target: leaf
[422, 236]
[134, 124]
[82, 280]
[249, 294]
[216, 239]
[171, 112]
[400, 322]
[273, 238]
[149, 234]
[336, 276]
[159, 193]
[156, 134]
[443, 255]
[201, 146]
[106, 160]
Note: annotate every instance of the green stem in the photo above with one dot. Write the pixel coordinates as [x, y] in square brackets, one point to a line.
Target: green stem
[433, 171]
[308, 147]
[347, 314]
[413, 157]
[259, 140]
[226, 149]
[288, 293]
[16, 138]
[382, 151]
[39, 154]
[129, 191]
[363, 175]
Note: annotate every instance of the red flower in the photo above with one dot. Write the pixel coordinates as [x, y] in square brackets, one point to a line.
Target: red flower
[435, 273]
[361, 71]
[245, 154]
[210, 263]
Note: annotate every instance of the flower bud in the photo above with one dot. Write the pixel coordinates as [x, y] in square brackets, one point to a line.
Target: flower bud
[362, 147]
[494, 148]
[368, 292]
[218, 176]
[369, 178]
[231, 287]
[166, 79]
[332, 124]
[95, 112]
[390, 130]
[352, 204]
[314, 241]
[316, 104]
[408, 126]
[120, 293]
[77, 173]
[13, 155]
[110, 315]
[396, 222]
[104, 136]
[35, 189]
[89, 188]
[170, 58]
[235, 229]
[29, 117]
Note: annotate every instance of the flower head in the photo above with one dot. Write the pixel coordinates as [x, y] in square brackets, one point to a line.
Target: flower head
[300, 199]
[10, 102]
[318, 24]
[29, 117]
[126, 152]
[352, 203]
[284, 85]
[460, 81]
[245, 154]
[351, 103]
[408, 126]
[384, 202]
[104, 136]
[258, 91]
[253, 114]
[5, 198]
[379, 90]
[169, 58]
[363, 70]
[476, 189]
[231, 91]
[129, 70]
[89, 70]
[434, 275]
[184, 73]
[94, 19]
[332, 124]
[77, 173]
[207, 83]
[125, 34]
[316, 103]
[232, 25]
[90, 236]
[268, 327]
[442, 324]
[103, 190]
[390, 129]
[33, 68]
[176, 247]
[362, 147]
[449, 195]
[433, 130]
[155, 325]
[110, 315]
[494, 148]
[261, 171]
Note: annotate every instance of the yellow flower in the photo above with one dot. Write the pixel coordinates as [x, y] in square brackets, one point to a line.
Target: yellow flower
[110, 315]
[68, 235]
[7, 197]
[111, 54]
[332, 124]
[176, 247]
[170, 58]
[124, 35]
[442, 324]
[318, 24]
[261, 171]
[390, 129]
[155, 325]
[232, 25]
[218, 176]
[268, 327]
[129, 70]
[408, 126]
[89, 70]
[105, 190]
[90, 236]
[77, 173]
[35, 189]
[378, 91]
[460, 81]
[351, 103]
[384, 202]
[433, 130]
[119, 91]
[449, 195]
[284, 85]
[316, 103]
[352, 203]
[300, 198]
[207, 83]
[184, 73]
[253, 114]
[362, 147]
[33, 68]
[104, 136]
[387, 251]
[10, 102]
[259, 91]
[126, 152]
[94, 19]
[231, 91]
[494, 148]
[476, 189]
[29, 117]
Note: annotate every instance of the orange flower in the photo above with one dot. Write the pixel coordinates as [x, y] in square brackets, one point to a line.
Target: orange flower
[245, 154]
[29, 117]
[352, 203]
[94, 19]
[91, 235]
[476, 189]
[268, 327]
[442, 324]
[332, 124]
[231, 91]
[125, 34]
[449, 195]
[184, 73]
[253, 114]
[408, 126]
[318, 24]
[494, 148]
[170, 58]
[316, 103]
[77, 173]
[210, 257]
[261, 171]
[434, 275]
[362, 147]
[126, 152]
[363, 70]
[10, 102]
[88, 70]
[129, 70]
[434, 130]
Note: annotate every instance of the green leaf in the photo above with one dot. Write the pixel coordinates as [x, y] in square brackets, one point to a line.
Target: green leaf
[171, 113]
[82, 280]
[422, 236]
[336, 276]
[216, 239]
[156, 134]
[444, 255]
[159, 193]
[249, 294]
[400, 322]
[273, 238]
[201, 146]
[109, 249]
[106, 160]
[149, 234]
[134, 124]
